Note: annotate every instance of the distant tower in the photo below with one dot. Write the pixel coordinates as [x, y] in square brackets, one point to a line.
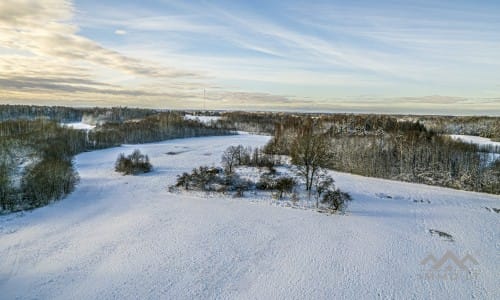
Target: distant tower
[204, 99]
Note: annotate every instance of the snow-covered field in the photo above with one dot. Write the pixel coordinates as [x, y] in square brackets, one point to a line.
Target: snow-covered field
[202, 119]
[79, 125]
[481, 141]
[127, 237]
[472, 139]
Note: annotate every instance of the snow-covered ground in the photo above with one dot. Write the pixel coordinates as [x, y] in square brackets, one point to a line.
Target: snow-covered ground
[124, 237]
[202, 119]
[79, 125]
[481, 141]
[472, 139]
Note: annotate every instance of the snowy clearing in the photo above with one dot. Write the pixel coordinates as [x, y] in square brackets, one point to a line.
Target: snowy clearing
[127, 237]
[202, 119]
[472, 139]
[79, 125]
[481, 141]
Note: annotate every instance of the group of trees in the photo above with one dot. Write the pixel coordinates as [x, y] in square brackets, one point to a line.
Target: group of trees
[133, 164]
[467, 125]
[158, 127]
[309, 152]
[404, 150]
[211, 179]
[46, 149]
[246, 156]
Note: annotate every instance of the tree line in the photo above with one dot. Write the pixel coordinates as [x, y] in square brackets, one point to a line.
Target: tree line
[404, 151]
[364, 124]
[65, 114]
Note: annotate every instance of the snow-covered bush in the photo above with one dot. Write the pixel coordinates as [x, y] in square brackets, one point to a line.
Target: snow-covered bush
[322, 182]
[336, 199]
[284, 185]
[211, 179]
[267, 181]
[283, 182]
[134, 163]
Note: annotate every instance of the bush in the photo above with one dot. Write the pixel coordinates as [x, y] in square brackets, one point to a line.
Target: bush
[322, 183]
[284, 185]
[336, 200]
[202, 178]
[212, 180]
[133, 164]
[266, 182]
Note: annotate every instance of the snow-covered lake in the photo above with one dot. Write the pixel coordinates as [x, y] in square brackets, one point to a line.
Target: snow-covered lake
[124, 237]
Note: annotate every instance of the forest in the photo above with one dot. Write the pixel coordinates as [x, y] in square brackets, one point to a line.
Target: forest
[63, 114]
[363, 124]
[395, 149]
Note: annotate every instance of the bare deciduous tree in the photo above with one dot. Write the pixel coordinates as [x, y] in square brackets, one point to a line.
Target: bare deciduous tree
[231, 157]
[310, 152]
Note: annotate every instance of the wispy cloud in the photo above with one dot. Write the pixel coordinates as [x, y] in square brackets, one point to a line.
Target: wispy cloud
[285, 55]
[44, 29]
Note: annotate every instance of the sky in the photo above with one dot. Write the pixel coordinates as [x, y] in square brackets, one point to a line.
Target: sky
[415, 57]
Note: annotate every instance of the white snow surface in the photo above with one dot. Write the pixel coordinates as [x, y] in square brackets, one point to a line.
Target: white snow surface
[472, 139]
[127, 237]
[481, 141]
[202, 119]
[79, 125]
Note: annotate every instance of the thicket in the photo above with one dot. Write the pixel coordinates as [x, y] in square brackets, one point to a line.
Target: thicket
[227, 179]
[212, 179]
[46, 149]
[133, 164]
[235, 156]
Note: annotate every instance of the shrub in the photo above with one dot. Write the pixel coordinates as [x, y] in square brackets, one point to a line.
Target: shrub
[266, 182]
[202, 178]
[336, 199]
[183, 181]
[284, 185]
[133, 164]
[322, 183]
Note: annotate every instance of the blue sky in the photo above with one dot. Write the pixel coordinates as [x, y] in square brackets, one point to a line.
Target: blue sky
[370, 56]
